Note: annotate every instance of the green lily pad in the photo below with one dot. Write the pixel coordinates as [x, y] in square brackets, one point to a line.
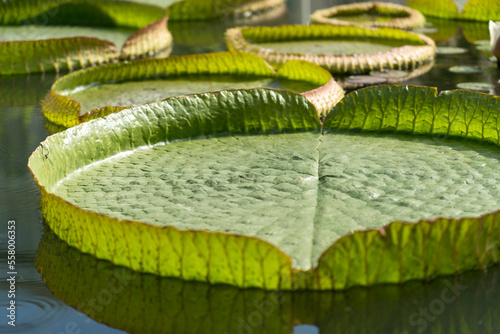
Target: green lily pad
[479, 86]
[481, 10]
[333, 46]
[96, 92]
[439, 29]
[370, 14]
[450, 50]
[483, 45]
[242, 187]
[44, 42]
[445, 9]
[187, 10]
[208, 36]
[23, 91]
[78, 279]
[339, 49]
[465, 69]
[473, 10]
[475, 30]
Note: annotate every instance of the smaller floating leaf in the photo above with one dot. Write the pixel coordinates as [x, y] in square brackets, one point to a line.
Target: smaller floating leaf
[464, 69]
[366, 79]
[370, 14]
[479, 86]
[309, 209]
[483, 45]
[97, 92]
[25, 90]
[54, 55]
[450, 50]
[277, 45]
[445, 9]
[481, 10]
[27, 49]
[390, 74]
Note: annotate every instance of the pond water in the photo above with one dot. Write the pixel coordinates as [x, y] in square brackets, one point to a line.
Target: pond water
[467, 303]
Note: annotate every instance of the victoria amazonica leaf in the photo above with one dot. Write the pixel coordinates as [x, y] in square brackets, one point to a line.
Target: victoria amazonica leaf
[248, 177]
[55, 36]
[187, 10]
[96, 92]
[354, 47]
[370, 14]
[32, 32]
[339, 49]
[300, 192]
[141, 92]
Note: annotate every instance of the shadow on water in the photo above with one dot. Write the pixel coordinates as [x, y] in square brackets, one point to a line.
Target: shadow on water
[144, 303]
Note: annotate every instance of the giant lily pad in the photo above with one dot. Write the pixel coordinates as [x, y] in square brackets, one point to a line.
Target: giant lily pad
[216, 9]
[242, 187]
[96, 92]
[339, 49]
[45, 42]
[475, 10]
[370, 14]
[169, 305]
[208, 36]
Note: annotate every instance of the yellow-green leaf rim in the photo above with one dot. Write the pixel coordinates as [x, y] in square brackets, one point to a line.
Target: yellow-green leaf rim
[406, 18]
